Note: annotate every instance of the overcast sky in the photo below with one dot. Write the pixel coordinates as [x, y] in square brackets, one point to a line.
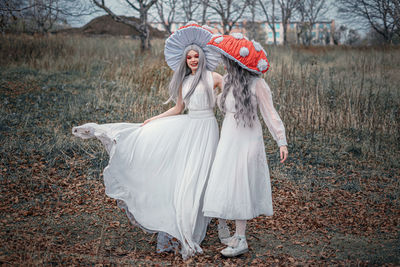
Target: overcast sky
[121, 8]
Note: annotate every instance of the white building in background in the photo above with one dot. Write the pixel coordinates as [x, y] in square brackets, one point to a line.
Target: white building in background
[321, 32]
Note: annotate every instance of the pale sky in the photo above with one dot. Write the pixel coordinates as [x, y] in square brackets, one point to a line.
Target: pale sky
[121, 8]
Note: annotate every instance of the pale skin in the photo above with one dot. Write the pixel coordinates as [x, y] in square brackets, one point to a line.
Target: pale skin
[284, 153]
[192, 60]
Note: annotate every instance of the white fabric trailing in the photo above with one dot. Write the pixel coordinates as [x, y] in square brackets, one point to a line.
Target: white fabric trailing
[158, 172]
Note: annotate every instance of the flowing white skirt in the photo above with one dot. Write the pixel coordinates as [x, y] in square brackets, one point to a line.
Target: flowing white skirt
[159, 171]
[239, 185]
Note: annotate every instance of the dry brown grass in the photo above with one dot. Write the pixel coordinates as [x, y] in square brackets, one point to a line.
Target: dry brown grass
[340, 107]
[324, 91]
[320, 92]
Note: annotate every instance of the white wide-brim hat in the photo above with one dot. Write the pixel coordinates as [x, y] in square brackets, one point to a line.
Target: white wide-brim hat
[189, 34]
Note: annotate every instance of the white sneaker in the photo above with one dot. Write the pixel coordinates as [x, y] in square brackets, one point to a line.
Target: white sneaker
[224, 234]
[237, 246]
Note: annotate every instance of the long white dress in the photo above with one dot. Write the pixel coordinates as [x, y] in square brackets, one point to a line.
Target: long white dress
[158, 172]
[239, 186]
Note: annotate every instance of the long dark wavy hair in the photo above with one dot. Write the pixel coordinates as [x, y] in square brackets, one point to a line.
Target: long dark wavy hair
[239, 81]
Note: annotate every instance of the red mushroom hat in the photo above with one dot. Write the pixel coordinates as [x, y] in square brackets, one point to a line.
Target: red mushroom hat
[250, 55]
[191, 33]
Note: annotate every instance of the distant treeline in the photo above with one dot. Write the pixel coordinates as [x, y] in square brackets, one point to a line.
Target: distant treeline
[380, 18]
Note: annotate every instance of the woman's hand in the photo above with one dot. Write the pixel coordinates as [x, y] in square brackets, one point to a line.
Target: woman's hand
[175, 110]
[147, 121]
[284, 153]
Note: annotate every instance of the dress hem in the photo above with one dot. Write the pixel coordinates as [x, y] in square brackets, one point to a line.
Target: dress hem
[213, 214]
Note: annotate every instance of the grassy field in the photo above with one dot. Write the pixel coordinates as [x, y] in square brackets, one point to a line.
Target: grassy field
[336, 200]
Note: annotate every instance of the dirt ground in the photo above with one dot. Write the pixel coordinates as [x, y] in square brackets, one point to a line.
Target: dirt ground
[332, 205]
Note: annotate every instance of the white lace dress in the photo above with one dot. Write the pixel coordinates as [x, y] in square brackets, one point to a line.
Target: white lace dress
[158, 172]
[239, 185]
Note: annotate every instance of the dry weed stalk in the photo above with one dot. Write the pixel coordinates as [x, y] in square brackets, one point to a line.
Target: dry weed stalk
[319, 92]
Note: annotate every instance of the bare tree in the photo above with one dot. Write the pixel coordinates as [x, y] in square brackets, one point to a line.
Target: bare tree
[44, 14]
[189, 8]
[230, 11]
[141, 6]
[252, 25]
[394, 12]
[73, 10]
[287, 9]
[9, 12]
[303, 29]
[166, 10]
[40, 15]
[380, 15]
[204, 5]
[270, 15]
[352, 37]
[310, 12]
[338, 33]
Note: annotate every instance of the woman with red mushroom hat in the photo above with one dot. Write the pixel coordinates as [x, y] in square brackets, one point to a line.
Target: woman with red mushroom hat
[239, 185]
[158, 170]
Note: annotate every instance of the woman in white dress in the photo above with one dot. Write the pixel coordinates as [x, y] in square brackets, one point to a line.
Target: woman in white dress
[239, 184]
[158, 170]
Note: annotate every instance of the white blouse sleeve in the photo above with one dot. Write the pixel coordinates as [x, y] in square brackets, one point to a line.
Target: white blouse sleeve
[268, 112]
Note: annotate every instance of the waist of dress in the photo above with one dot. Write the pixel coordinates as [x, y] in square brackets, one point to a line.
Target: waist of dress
[201, 113]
